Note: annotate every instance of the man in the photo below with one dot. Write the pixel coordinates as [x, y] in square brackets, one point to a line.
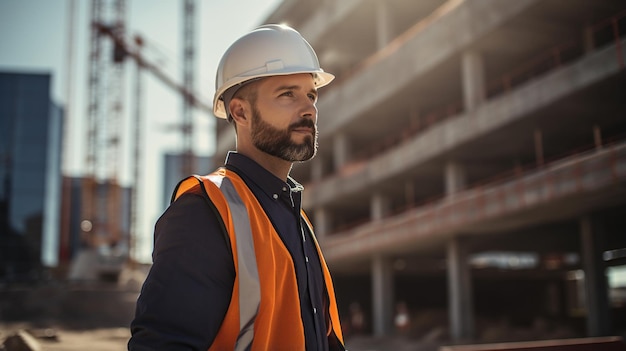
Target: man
[236, 263]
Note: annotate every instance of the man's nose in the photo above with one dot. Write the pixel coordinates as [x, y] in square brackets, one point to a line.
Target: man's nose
[309, 110]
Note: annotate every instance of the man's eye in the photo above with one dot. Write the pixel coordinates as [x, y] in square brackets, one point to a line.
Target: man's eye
[313, 97]
[287, 93]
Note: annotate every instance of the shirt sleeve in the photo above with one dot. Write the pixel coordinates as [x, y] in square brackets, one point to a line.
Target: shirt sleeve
[188, 290]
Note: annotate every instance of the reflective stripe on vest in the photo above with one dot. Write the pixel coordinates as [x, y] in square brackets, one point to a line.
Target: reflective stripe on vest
[248, 273]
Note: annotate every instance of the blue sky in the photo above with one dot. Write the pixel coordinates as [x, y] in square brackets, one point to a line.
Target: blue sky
[34, 38]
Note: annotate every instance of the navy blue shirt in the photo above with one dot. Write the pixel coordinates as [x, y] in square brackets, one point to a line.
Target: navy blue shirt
[187, 292]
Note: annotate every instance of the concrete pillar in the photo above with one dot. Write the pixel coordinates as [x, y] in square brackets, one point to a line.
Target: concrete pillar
[596, 285]
[317, 168]
[380, 206]
[473, 76]
[460, 300]
[322, 222]
[455, 178]
[382, 295]
[384, 22]
[341, 150]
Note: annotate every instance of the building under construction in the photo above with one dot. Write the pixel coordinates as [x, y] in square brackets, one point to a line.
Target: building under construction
[472, 164]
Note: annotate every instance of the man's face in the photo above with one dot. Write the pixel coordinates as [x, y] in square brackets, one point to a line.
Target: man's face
[284, 117]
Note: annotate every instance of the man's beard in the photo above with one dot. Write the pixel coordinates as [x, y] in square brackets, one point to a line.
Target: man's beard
[277, 142]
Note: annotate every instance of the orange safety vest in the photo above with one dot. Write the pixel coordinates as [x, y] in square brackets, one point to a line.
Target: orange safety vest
[264, 310]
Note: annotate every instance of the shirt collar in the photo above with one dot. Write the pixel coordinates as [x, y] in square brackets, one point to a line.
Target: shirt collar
[264, 179]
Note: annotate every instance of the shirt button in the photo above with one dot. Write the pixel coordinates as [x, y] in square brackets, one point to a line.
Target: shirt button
[275, 196]
[314, 310]
[306, 258]
[284, 188]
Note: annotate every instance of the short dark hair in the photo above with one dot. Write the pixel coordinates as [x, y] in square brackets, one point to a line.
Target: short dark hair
[247, 92]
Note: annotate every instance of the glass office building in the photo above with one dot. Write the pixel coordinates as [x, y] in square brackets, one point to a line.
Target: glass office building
[30, 175]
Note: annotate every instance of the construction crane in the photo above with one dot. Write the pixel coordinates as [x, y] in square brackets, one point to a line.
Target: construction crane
[126, 49]
[134, 53]
[189, 23]
[137, 156]
[101, 191]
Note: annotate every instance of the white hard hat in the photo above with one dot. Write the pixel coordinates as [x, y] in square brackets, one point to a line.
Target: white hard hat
[269, 50]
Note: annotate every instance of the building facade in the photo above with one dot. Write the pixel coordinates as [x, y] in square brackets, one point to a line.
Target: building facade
[30, 169]
[472, 163]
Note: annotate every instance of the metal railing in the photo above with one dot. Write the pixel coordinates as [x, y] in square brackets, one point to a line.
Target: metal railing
[521, 186]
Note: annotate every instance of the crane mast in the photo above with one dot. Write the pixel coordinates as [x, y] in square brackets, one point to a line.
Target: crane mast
[101, 196]
[188, 159]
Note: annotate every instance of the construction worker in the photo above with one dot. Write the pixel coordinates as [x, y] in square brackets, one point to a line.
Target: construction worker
[236, 265]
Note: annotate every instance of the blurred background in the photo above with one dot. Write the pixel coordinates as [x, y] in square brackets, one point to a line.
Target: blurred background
[469, 185]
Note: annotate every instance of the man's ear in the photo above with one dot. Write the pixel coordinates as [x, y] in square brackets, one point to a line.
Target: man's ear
[238, 110]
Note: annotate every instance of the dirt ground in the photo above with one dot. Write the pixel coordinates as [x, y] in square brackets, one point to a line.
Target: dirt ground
[66, 316]
[51, 339]
[113, 339]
